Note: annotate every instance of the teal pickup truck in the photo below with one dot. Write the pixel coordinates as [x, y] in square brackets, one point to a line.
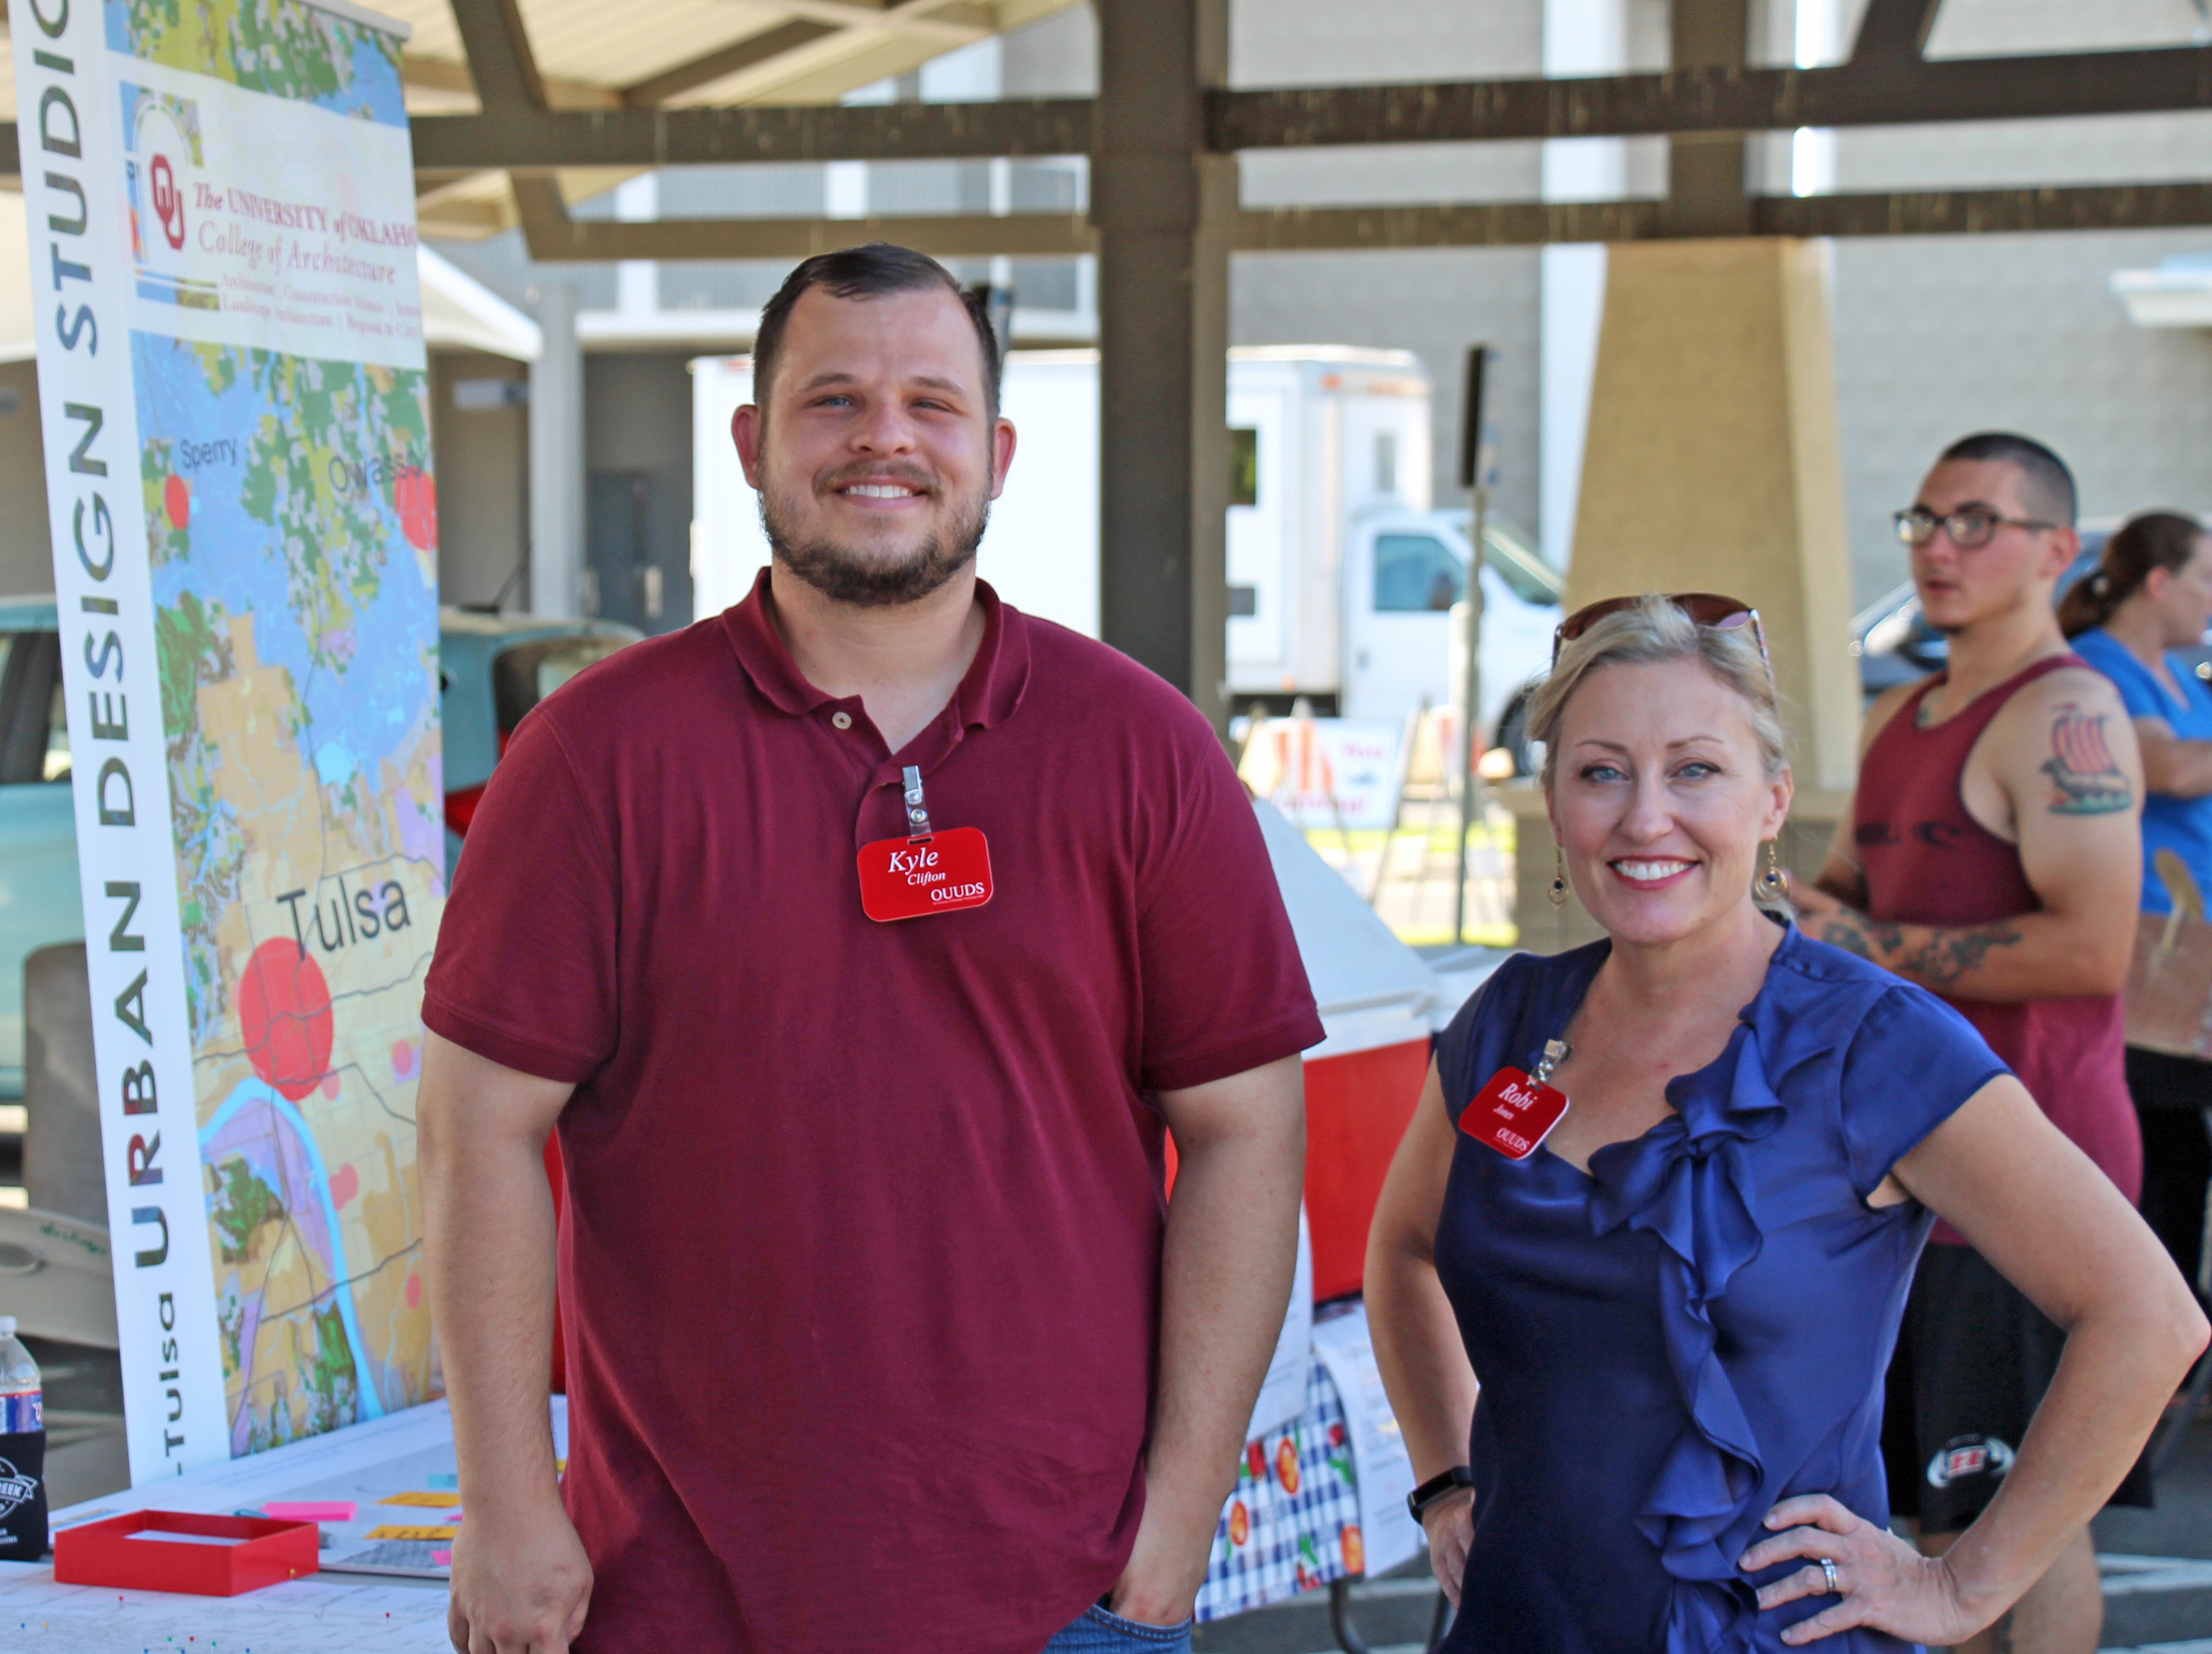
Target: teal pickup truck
[493, 668]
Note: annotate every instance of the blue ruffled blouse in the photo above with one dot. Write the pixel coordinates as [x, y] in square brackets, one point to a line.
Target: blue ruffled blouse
[1697, 1328]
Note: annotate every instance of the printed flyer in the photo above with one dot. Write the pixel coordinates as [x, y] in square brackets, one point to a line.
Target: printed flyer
[232, 378]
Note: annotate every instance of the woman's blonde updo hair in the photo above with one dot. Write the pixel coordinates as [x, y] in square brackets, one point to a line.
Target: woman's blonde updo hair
[1651, 631]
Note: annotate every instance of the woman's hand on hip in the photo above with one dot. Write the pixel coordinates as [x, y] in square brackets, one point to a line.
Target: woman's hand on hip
[1879, 1581]
[1449, 1524]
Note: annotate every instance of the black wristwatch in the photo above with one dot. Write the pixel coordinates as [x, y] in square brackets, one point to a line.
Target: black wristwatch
[1437, 1487]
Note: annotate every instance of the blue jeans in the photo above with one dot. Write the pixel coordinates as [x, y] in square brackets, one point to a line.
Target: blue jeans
[1101, 1631]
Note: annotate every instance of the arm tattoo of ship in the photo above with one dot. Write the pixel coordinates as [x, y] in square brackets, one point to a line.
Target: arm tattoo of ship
[2086, 779]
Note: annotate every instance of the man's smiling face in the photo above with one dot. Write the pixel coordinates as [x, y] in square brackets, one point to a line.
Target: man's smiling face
[875, 452]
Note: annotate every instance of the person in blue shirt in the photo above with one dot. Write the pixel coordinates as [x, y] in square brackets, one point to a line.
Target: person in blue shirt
[1679, 1305]
[2152, 593]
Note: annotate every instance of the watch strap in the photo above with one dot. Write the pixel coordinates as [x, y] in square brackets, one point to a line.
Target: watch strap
[1437, 1487]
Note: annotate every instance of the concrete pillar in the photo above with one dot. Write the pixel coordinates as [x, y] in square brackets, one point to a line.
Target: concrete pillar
[1166, 213]
[557, 459]
[1712, 464]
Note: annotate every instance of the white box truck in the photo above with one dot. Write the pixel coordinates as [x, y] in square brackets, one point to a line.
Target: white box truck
[1341, 578]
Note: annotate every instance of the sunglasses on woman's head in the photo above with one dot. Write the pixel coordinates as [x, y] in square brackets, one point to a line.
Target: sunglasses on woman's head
[1706, 608]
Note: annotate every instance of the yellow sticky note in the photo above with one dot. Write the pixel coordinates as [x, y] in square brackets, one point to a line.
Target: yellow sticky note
[435, 1534]
[427, 1501]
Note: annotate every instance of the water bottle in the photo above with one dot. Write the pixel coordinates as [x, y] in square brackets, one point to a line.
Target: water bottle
[22, 1451]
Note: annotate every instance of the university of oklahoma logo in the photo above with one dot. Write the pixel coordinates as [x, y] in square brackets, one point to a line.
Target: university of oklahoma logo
[16, 1490]
[168, 201]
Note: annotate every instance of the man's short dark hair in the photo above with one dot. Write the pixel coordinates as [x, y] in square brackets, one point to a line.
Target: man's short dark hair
[2050, 484]
[873, 271]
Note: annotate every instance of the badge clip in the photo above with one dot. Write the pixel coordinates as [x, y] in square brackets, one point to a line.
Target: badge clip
[918, 829]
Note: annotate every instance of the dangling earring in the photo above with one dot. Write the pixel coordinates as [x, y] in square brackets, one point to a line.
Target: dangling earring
[1558, 877]
[1773, 883]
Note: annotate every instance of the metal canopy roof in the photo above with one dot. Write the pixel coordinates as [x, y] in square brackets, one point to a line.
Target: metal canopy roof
[602, 56]
[524, 107]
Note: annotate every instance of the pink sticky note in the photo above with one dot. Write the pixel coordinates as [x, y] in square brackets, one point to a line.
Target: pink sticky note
[331, 1510]
[441, 1558]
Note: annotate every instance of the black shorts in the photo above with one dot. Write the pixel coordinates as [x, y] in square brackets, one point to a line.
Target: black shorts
[1973, 1359]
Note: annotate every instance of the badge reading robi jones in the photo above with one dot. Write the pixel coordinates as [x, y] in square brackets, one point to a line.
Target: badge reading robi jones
[908, 878]
[1515, 1112]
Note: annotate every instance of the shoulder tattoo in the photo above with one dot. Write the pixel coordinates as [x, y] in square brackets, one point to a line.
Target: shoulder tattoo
[2086, 780]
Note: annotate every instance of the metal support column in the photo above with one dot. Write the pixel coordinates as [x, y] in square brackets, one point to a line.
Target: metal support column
[557, 459]
[1166, 214]
[1707, 193]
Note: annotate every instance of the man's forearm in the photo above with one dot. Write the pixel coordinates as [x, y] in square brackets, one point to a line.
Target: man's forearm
[488, 1246]
[1229, 1257]
[2032, 957]
[2177, 768]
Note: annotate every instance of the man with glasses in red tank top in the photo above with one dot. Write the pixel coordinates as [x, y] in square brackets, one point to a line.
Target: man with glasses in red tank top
[1991, 855]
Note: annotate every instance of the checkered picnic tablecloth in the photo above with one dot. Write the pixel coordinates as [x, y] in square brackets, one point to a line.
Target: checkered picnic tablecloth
[1292, 1523]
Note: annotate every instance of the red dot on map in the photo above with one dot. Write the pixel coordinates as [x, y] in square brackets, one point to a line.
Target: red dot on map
[284, 1017]
[417, 496]
[176, 501]
[345, 1184]
[414, 1292]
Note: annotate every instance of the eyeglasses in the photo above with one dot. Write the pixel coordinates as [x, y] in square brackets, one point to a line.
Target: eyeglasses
[1706, 608]
[1967, 529]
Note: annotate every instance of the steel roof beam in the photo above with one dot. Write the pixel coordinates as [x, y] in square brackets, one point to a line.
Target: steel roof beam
[1691, 100]
[500, 62]
[1894, 30]
[1904, 212]
[1718, 98]
[553, 235]
[759, 132]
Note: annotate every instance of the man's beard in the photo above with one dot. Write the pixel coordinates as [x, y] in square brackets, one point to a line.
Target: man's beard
[848, 576]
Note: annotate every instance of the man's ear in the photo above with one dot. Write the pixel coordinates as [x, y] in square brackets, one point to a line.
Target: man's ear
[2067, 543]
[1002, 453]
[745, 432]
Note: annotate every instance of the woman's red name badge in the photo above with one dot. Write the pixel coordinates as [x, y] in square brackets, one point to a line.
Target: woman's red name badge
[905, 877]
[1515, 1112]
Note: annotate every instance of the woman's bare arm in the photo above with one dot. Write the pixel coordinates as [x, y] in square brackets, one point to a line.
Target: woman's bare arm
[2055, 1227]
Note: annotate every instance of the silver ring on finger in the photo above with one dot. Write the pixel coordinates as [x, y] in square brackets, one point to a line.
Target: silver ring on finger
[1828, 1573]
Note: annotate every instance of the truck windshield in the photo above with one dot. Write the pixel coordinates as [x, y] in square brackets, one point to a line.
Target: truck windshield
[1416, 574]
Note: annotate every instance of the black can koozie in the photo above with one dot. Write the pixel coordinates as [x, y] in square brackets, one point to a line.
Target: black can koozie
[22, 1492]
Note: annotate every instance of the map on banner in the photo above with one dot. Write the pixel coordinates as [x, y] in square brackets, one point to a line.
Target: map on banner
[299, 698]
[291, 533]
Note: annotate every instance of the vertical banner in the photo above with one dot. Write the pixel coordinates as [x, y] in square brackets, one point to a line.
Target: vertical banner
[220, 197]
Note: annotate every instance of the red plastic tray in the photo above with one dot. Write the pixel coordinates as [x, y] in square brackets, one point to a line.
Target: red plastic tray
[106, 1553]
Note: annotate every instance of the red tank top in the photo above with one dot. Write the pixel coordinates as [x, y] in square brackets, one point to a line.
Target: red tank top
[1930, 862]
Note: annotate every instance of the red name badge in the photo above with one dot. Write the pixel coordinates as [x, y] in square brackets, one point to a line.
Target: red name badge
[1514, 1114]
[907, 878]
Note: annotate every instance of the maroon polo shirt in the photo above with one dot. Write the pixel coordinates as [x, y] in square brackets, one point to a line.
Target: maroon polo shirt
[860, 1267]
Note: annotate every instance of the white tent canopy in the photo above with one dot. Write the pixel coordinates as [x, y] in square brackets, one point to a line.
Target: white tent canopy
[458, 312]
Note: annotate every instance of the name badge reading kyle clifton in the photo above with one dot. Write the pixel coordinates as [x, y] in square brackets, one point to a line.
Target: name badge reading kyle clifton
[928, 872]
[1515, 1111]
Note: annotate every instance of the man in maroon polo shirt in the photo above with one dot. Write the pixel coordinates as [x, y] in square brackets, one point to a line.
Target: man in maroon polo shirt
[880, 1332]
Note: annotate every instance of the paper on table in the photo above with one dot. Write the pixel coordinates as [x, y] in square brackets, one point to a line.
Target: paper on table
[1283, 1395]
[427, 1501]
[309, 1509]
[168, 1538]
[1390, 1536]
